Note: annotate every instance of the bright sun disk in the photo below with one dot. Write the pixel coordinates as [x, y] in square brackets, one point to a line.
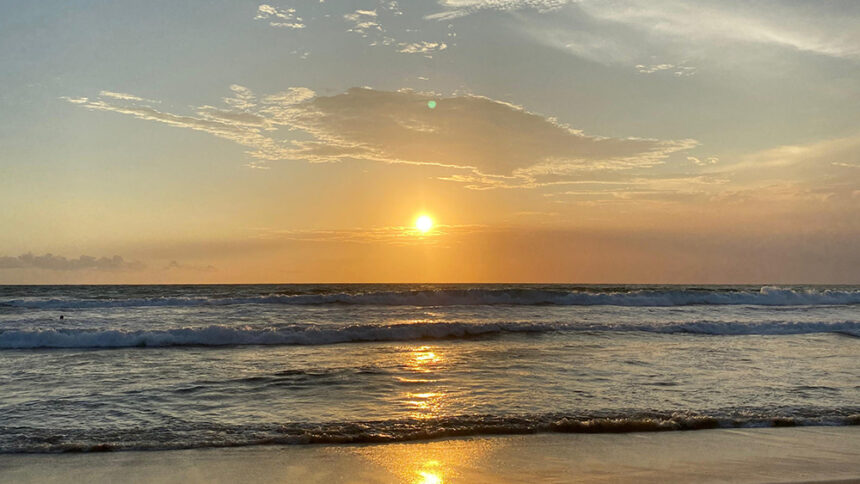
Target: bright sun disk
[424, 224]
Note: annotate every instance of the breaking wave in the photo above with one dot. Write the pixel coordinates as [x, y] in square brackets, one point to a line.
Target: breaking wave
[221, 335]
[185, 436]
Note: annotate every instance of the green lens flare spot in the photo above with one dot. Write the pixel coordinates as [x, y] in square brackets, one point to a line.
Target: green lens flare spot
[431, 104]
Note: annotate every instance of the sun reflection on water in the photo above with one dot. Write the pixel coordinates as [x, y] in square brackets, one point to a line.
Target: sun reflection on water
[428, 478]
[424, 359]
[426, 405]
[430, 473]
[424, 392]
[425, 401]
[430, 462]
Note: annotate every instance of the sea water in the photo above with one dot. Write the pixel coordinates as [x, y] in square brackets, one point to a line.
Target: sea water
[86, 368]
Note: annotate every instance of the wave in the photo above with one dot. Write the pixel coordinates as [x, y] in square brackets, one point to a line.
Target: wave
[221, 335]
[765, 296]
[185, 436]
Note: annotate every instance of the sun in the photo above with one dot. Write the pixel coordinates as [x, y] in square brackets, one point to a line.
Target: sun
[424, 223]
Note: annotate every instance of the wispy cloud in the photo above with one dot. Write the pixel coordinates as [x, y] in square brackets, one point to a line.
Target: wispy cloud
[363, 22]
[369, 25]
[178, 266]
[393, 235]
[817, 178]
[422, 47]
[677, 70]
[664, 188]
[279, 17]
[489, 143]
[820, 171]
[623, 30]
[711, 160]
[830, 31]
[124, 96]
[75, 100]
[245, 119]
[392, 6]
[59, 263]
[460, 8]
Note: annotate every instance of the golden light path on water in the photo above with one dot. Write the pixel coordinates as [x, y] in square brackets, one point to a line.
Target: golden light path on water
[421, 468]
[426, 361]
[431, 462]
[434, 462]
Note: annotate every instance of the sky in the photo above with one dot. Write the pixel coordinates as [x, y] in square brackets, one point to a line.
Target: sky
[589, 141]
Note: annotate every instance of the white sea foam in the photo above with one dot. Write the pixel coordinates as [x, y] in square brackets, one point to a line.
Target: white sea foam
[221, 335]
[764, 296]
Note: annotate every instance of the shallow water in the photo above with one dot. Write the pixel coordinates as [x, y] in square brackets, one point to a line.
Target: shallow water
[159, 367]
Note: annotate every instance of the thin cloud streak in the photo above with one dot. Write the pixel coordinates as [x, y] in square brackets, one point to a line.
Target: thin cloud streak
[395, 235]
[59, 263]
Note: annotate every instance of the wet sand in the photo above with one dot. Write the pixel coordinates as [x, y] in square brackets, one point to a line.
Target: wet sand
[811, 454]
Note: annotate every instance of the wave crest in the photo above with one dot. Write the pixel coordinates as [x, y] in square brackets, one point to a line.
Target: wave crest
[403, 430]
[221, 335]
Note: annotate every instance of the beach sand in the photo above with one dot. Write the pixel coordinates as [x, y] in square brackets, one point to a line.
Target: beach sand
[810, 454]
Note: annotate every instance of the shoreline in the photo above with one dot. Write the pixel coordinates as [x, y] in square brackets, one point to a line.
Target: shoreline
[794, 454]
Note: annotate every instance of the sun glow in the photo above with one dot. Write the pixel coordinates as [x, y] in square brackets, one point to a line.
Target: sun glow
[424, 223]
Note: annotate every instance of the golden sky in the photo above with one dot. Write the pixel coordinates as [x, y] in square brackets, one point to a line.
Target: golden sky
[550, 141]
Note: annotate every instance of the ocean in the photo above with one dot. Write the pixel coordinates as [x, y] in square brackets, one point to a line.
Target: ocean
[97, 368]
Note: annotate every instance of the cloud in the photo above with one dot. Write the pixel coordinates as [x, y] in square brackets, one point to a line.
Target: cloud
[368, 24]
[487, 143]
[711, 160]
[667, 188]
[122, 95]
[821, 171]
[393, 7]
[488, 137]
[817, 178]
[244, 120]
[363, 22]
[243, 98]
[818, 28]
[393, 235]
[459, 8]
[279, 17]
[177, 266]
[60, 263]
[677, 70]
[75, 100]
[628, 31]
[422, 47]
